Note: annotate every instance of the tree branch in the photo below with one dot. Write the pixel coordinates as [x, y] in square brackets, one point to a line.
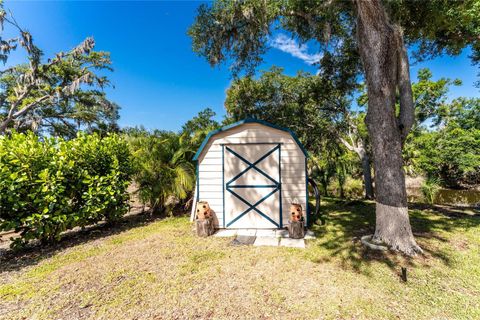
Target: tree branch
[12, 116]
[346, 144]
[13, 107]
[18, 100]
[30, 106]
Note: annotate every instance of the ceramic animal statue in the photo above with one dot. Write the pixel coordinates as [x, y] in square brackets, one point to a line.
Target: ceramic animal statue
[203, 210]
[296, 212]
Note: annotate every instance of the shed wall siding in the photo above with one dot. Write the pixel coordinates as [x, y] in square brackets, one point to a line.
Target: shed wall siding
[292, 166]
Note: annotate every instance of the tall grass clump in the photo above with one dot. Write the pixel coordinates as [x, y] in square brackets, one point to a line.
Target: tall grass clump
[430, 189]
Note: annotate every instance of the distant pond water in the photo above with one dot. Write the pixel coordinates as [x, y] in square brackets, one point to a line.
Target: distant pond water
[447, 196]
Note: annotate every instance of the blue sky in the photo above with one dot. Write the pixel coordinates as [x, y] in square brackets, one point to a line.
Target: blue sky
[159, 82]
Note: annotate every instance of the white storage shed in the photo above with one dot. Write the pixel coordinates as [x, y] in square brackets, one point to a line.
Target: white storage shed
[250, 172]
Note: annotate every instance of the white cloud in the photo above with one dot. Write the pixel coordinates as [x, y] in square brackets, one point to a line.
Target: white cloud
[289, 45]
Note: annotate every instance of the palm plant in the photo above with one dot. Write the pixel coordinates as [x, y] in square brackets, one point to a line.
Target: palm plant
[430, 190]
[164, 171]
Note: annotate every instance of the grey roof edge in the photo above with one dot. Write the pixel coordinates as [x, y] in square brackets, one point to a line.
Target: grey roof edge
[244, 121]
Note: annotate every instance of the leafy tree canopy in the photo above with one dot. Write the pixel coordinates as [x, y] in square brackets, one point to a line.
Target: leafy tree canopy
[239, 31]
[305, 103]
[204, 120]
[59, 95]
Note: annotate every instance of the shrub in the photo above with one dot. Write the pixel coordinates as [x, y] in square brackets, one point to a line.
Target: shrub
[350, 189]
[51, 185]
[354, 188]
[451, 155]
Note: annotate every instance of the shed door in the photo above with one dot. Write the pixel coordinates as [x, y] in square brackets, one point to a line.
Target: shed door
[252, 185]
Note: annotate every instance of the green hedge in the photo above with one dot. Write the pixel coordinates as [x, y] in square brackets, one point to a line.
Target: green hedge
[50, 185]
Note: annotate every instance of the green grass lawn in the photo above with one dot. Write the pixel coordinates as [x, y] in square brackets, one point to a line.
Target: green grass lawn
[159, 269]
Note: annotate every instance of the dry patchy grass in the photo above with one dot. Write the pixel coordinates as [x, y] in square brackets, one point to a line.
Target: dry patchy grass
[158, 269]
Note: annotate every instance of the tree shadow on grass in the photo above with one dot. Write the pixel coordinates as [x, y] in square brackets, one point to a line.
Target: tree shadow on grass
[451, 211]
[34, 253]
[348, 221]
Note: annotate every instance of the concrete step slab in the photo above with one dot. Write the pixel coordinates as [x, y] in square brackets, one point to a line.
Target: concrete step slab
[246, 232]
[266, 233]
[281, 233]
[266, 241]
[225, 233]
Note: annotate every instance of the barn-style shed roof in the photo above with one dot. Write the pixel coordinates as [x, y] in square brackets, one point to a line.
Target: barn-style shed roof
[241, 122]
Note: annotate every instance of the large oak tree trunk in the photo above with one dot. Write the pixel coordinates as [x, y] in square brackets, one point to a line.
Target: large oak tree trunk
[383, 55]
[367, 175]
